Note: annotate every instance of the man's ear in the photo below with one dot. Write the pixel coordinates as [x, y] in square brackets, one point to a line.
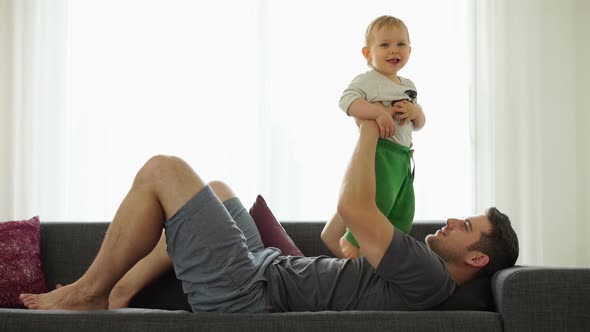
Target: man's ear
[477, 259]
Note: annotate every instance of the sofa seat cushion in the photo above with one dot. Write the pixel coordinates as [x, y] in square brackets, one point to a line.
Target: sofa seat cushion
[141, 320]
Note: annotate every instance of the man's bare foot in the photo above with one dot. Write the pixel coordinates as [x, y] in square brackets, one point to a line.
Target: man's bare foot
[119, 298]
[348, 249]
[69, 297]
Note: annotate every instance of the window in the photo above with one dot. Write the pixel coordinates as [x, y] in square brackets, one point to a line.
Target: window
[247, 92]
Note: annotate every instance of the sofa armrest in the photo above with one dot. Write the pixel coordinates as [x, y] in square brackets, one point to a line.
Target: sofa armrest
[533, 298]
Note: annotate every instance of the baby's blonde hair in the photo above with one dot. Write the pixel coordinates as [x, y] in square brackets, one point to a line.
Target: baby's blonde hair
[384, 21]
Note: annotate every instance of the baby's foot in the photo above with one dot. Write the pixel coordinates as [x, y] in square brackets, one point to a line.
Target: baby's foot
[69, 297]
[348, 249]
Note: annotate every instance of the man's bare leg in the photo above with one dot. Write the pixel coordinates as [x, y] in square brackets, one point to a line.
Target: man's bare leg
[153, 265]
[141, 275]
[161, 187]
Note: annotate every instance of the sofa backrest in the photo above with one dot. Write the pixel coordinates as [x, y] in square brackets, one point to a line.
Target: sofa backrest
[68, 249]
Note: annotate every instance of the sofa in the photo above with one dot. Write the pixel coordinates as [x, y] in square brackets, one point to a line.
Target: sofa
[521, 298]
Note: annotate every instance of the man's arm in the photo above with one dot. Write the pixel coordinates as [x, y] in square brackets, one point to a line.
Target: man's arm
[357, 206]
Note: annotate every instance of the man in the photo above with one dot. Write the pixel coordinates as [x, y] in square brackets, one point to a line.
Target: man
[217, 253]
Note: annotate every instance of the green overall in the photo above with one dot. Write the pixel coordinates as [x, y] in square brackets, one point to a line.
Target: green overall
[395, 185]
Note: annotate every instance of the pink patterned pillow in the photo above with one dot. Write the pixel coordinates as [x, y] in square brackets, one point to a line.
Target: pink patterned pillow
[20, 261]
[271, 231]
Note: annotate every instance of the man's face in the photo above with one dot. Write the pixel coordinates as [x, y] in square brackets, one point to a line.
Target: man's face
[452, 241]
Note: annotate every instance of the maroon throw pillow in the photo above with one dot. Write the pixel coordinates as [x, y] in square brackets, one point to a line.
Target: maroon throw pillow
[271, 231]
[20, 261]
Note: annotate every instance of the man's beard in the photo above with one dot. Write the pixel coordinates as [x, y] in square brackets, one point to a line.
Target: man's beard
[435, 244]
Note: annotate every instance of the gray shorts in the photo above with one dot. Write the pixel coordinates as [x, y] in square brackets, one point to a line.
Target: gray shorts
[218, 255]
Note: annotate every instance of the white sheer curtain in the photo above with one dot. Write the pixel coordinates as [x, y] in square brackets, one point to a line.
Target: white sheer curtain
[538, 76]
[5, 112]
[246, 91]
[33, 169]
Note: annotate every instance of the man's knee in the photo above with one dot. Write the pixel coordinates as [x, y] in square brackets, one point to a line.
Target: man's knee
[221, 190]
[157, 167]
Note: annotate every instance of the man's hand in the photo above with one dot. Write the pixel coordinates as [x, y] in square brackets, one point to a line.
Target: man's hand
[386, 125]
[361, 109]
[405, 111]
[384, 120]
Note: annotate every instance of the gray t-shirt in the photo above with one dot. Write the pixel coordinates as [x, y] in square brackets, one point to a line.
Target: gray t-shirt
[409, 277]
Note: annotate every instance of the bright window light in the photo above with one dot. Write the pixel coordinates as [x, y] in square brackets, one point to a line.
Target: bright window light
[247, 92]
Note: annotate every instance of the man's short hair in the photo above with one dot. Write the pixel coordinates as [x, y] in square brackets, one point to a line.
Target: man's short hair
[501, 244]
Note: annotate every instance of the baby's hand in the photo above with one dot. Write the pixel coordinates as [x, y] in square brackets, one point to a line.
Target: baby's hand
[404, 111]
[348, 249]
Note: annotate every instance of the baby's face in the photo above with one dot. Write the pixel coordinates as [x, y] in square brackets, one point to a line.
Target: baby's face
[389, 50]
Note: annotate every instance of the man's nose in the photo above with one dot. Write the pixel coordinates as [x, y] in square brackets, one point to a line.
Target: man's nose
[451, 222]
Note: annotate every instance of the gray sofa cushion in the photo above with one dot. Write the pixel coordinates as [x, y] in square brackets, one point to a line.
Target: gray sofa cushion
[143, 320]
